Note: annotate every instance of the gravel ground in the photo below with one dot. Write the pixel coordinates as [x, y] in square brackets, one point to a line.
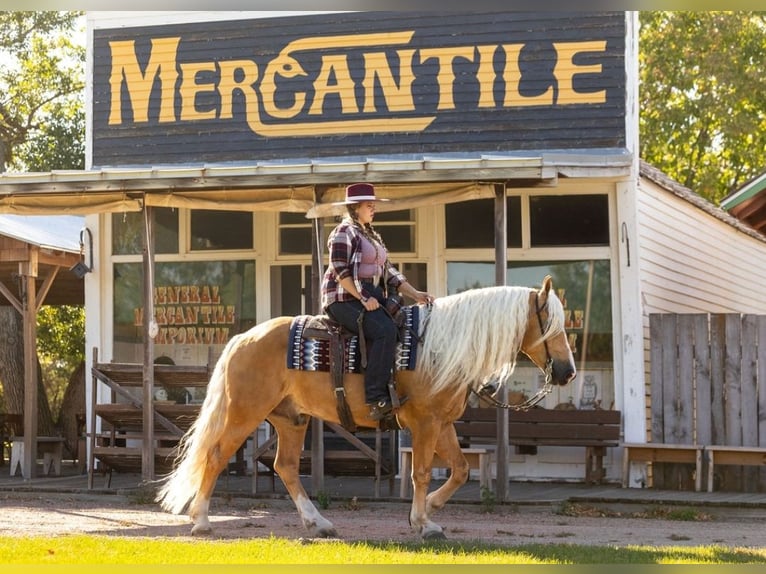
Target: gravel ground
[29, 514]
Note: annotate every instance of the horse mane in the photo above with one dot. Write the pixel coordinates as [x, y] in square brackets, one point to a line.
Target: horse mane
[477, 333]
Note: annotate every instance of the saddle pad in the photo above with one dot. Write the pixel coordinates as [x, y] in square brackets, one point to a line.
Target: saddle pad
[307, 353]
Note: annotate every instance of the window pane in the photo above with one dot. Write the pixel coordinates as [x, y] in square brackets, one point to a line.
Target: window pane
[197, 305]
[286, 292]
[397, 228]
[569, 220]
[128, 231]
[213, 230]
[584, 288]
[295, 240]
[417, 276]
[398, 238]
[471, 224]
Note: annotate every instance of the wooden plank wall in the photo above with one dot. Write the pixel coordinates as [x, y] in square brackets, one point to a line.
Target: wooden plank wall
[708, 388]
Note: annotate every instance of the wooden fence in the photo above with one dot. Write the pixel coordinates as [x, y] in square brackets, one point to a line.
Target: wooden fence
[708, 387]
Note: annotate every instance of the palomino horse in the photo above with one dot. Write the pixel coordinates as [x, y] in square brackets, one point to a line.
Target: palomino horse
[465, 338]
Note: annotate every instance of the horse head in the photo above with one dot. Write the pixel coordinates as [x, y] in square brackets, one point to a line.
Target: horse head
[545, 341]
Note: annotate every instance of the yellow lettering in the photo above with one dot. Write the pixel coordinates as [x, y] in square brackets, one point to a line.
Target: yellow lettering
[159, 295]
[138, 317]
[193, 294]
[486, 76]
[190, 88]
[287, 67]
[446, 75]
[216, 298]
[191, 335]
[398, 97]
[125, 68]
[160, 316]
[512, 77]
[334, 78]
[566, 70]
[228, 85]
[192, 314]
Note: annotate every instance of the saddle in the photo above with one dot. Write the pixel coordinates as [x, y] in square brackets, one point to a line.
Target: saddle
[317, 343]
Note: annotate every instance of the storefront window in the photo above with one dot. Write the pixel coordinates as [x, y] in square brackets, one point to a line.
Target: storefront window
[216, 230]
[584, 288]
[471, 224]
[128, 231]
[569, 221]
[196, 304]
[397, 228]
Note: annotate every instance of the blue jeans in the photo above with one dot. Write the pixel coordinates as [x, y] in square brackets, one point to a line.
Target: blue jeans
[380, 335]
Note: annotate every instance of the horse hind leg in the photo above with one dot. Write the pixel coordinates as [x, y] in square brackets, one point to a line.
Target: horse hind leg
[217, 461]
[291, 432]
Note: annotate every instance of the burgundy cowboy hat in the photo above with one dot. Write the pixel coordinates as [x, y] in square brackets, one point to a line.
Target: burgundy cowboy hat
[359, 192]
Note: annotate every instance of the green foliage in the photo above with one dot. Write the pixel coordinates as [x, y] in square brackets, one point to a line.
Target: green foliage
[60, 347]
[41, 90]
[702, 97]
[323, 499]
[488, 500]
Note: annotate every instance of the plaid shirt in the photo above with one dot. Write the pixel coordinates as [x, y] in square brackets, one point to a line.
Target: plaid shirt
[345, 247]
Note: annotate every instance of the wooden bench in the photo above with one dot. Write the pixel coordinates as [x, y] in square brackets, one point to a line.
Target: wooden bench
[733, 455]
[51, 447]
[661, 452]
[595, 430]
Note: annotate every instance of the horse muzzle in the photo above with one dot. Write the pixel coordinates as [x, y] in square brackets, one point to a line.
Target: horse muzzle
[562, 373]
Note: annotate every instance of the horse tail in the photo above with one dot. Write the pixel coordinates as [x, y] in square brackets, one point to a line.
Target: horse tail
[182, 484]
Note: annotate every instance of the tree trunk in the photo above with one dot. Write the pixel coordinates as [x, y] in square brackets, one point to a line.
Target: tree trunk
[73, 407]
[12, 371]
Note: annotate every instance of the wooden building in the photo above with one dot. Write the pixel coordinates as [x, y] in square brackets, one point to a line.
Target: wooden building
[230, 134]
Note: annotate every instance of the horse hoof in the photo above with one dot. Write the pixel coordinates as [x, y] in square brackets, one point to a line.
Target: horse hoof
[432, 535]
[326, 533]
[201, 530]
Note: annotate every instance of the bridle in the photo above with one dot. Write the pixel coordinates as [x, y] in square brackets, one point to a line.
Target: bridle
[486, 391]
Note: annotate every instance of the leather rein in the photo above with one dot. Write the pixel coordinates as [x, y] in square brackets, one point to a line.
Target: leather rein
[486, 393]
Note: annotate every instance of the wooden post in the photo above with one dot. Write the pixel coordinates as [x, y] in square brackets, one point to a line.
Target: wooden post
[147, 446]
[28, 272]
[317, 426]
[501, 264]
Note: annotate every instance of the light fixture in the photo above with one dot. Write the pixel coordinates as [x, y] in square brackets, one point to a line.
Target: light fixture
[79, 268]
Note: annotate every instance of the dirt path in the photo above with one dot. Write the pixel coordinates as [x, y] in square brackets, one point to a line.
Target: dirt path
[28, 514]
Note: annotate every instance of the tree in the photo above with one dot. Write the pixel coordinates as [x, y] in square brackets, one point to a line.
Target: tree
[41, 77]
[42, 128]
[702, 97]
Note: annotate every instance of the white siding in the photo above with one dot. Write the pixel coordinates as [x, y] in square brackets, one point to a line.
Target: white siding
[693, 262]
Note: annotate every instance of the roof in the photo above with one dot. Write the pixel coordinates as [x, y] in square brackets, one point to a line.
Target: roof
[748, 203]
[290, 182]
[56, 240]
[60, 232]
[663, 180]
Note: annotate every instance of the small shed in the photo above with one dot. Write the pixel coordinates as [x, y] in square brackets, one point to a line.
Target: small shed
[36, 256]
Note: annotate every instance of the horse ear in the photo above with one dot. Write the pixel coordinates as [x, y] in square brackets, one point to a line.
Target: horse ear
[545, 289]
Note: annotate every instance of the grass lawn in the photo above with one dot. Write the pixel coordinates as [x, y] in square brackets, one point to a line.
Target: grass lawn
[82, 549]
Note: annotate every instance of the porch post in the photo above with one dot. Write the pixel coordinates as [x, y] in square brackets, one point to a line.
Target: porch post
[501, 258]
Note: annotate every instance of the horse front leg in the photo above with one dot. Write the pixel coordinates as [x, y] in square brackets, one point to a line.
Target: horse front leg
[448, 448]
[291, 432]
[423, 441]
